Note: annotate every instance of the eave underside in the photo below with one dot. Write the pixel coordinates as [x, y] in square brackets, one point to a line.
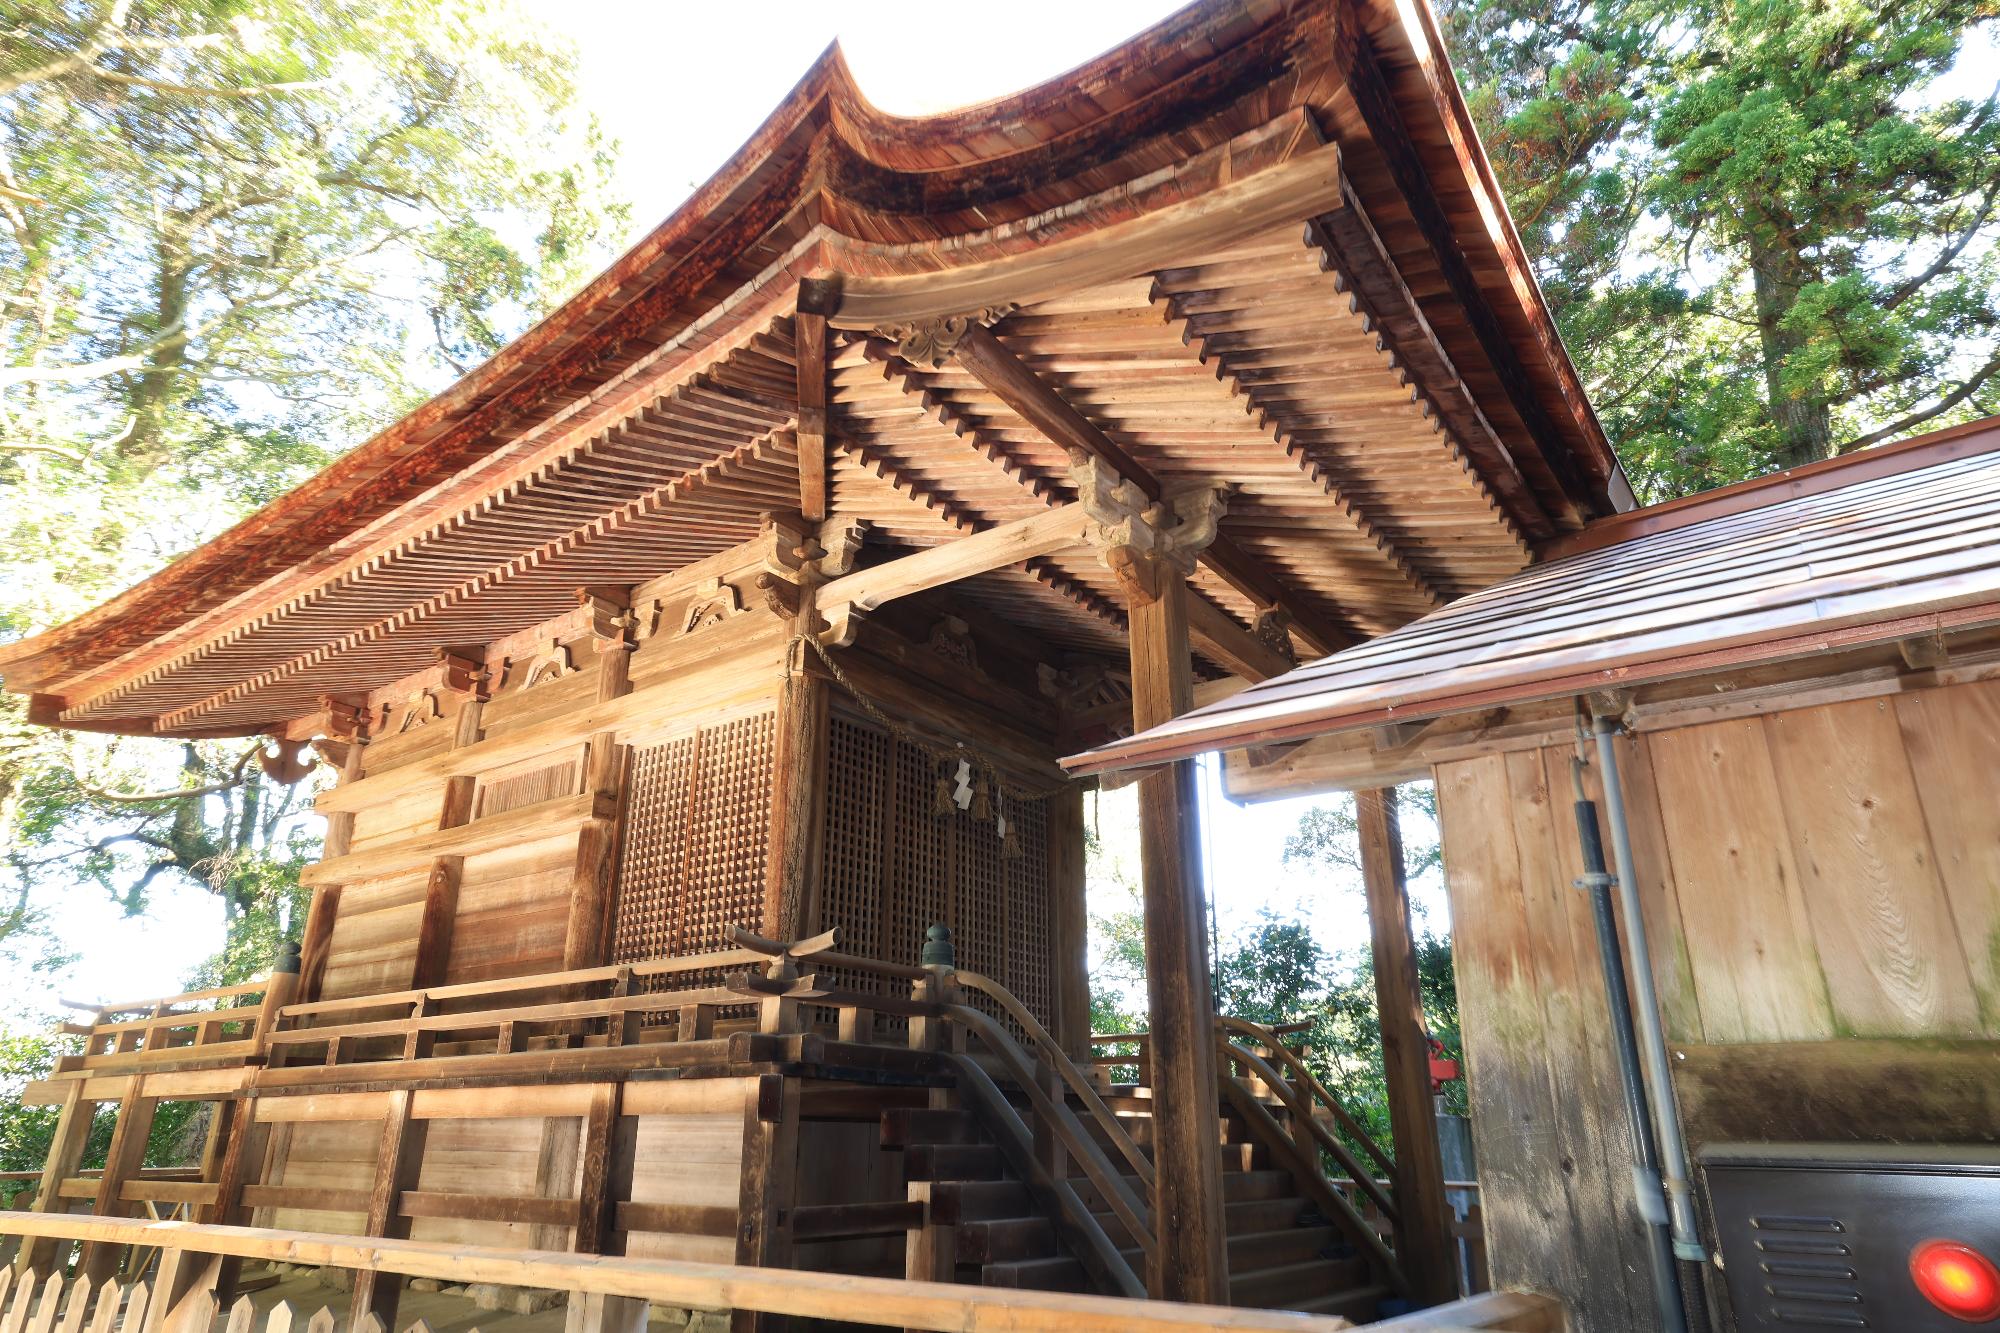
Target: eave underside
[1207, 254]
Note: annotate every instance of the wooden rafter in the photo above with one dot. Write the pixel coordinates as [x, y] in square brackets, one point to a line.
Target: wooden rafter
[1349, 247]
[481, 581]
[1216, 633]
[987, 360]
[1391, 138]
[1262, 413]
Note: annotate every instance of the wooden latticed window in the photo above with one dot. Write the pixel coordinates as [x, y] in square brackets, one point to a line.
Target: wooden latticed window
[893, 866]
[696, 837]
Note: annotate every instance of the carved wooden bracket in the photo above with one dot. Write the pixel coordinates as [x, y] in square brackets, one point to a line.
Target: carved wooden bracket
[456, 678]
[1136, 535]
[552, 661]
[930, 342]
[712, 602]
[612, 621]
[1274, 627]
[841, 543]
[951, 639]
[345, 720]
[288, 762]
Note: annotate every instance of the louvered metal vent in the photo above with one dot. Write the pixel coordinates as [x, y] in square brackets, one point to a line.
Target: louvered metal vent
[1819, 1236]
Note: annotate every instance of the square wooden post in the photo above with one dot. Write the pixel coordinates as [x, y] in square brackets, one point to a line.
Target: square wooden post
[1189, 1261]
[396, 1169]
[1069, 923]
[1425, 1248]
[38, 1253]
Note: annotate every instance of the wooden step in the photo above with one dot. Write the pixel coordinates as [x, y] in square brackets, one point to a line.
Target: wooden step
[1254, 1215]
[1250, 1251]
[904, 1126]
[1006, 1239]
[1060, 1273]
[952, 1161]
[1287, 1287]
[957, 1202]
[1360, 1304]
[1262, 1183]
[1258, 1185]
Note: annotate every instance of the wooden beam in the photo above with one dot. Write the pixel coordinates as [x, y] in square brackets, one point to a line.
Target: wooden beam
[1189, 1263]
[876, 1301]
[1223, 640]
[1424, 1245]
[997, 547]
[987, 360]
[809, 338]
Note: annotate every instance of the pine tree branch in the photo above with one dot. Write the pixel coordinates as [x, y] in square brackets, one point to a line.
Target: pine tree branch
[237, 776]
[1917, 418]
[1912, 285]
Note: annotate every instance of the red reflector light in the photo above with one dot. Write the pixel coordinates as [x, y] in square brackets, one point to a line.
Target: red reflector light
[1957, 1279]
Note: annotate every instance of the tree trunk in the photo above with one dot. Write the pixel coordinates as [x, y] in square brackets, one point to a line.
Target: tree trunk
[1805, 422]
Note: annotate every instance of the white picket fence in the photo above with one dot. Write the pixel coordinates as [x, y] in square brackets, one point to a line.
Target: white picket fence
[54, 1304]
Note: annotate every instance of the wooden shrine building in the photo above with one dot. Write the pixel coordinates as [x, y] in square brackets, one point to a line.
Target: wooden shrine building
[686, 663]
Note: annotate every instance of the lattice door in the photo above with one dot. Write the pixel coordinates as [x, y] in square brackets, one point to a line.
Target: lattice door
[893, 866]
[696, 837]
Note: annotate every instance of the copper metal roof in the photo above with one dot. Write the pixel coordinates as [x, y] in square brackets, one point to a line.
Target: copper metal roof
[1891, 543]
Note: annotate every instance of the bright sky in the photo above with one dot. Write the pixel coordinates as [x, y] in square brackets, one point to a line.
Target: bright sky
[681, 86]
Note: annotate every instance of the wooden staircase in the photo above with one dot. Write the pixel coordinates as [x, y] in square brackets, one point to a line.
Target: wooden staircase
[1293, 1241]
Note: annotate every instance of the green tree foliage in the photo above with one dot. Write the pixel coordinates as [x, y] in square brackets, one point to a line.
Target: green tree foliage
[237, 236]
[1276, 972]
[1767, 233]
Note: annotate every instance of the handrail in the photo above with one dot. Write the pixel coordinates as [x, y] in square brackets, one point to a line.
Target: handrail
[1073, 1078]
[1302, 1114]
[1096, 1249]
[1132, 1214]
[1265, 1037]
[882, 1302]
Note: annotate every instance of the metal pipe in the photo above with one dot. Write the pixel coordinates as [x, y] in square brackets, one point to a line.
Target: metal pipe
[1652, 1201]
[1646, 1010]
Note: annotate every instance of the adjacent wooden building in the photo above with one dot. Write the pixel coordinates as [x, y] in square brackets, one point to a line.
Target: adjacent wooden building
[1795, 682]
[686, 664]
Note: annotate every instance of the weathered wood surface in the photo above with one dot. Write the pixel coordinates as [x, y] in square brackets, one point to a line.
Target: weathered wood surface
[1189, 1262]
[184, 1300]
[1429, 1258]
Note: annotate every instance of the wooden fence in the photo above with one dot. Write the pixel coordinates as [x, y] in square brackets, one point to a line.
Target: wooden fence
[196, 1266]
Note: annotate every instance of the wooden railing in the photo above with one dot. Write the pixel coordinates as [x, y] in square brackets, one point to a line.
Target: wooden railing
[1046, 1113]
[196, 1266]
[221, 1026]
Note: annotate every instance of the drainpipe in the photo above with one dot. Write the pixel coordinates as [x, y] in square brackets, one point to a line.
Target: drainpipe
[1652, 1037]
[1652, 1197]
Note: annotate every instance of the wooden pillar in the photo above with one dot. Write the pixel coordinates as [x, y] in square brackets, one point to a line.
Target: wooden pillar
[185, 1293]
[1189, 1261]
[38, 1253]
[316, 938]
[396, 1170]
[125, 1159]
[1424, 1243]
[818, 297]
[798, 801]
[769, 1185]
[1069, 920]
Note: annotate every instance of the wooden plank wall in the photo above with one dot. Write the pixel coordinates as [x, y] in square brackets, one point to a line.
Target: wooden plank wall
[1822, 894]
